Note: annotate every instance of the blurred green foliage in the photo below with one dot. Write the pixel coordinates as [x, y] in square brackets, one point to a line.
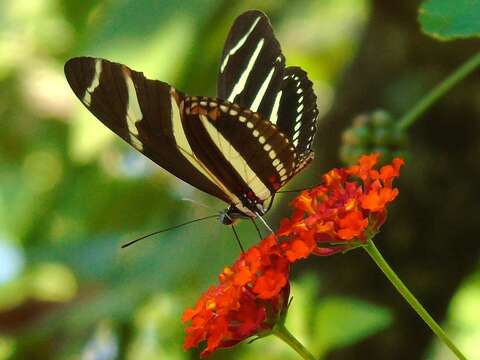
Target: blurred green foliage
[71, 193]
[374, 132]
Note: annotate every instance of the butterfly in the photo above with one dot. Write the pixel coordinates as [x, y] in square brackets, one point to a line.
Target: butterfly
[241, 146]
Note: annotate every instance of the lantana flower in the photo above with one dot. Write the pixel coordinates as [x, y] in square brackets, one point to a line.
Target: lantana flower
[343, 212]
[252, 296]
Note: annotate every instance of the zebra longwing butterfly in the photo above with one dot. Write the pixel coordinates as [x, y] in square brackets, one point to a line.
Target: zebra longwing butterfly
[241, 146]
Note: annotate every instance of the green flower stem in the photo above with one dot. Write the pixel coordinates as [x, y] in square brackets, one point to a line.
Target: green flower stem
[282, 332]
[372, 250]
[438, 91]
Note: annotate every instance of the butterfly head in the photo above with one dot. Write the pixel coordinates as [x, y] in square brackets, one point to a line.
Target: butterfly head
[247, 210]
[231, 215]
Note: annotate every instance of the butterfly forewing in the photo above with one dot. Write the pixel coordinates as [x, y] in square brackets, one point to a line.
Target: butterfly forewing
[253, 75]
[145, 113]
[252, 64]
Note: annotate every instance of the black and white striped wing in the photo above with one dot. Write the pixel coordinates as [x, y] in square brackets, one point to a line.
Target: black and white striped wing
[253, 75]
[251, 156]
[251, 68]
[297, 111]
[145, 113]
[227, 151]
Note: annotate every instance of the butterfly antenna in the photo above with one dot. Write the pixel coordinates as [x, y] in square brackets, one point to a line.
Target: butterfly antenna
[238, 239]
[197, 203]
[256, 227]
[167, 229]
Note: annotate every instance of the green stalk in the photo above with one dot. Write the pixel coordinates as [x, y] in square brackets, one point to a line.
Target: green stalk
[282, 333]
[438, 91]
[372, 250]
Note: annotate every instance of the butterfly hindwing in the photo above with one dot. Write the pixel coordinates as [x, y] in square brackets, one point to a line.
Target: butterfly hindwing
[248, 152]
[297, 110]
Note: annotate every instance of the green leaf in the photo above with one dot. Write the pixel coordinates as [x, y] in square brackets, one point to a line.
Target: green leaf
[341, 322]
[448, 20]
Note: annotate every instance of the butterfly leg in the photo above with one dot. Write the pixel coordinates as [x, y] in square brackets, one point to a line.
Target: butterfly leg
[238, 239]
[264, 222]
[293, 191]
[256, 227]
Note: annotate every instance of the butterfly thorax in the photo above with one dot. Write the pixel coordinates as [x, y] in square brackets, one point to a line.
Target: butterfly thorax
[232, 214]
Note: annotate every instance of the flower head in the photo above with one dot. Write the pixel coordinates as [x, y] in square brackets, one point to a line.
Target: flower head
[250, 297]
[348, 207]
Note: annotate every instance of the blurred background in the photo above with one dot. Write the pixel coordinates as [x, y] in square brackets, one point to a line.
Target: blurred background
[71, 192]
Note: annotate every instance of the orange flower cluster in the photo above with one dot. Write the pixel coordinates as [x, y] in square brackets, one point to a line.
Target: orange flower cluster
[348, 208]
[344, 211]
[249, 299]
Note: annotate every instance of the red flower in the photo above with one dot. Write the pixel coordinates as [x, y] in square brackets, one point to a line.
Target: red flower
[343, 211]
[346, 210]
[250, 297]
